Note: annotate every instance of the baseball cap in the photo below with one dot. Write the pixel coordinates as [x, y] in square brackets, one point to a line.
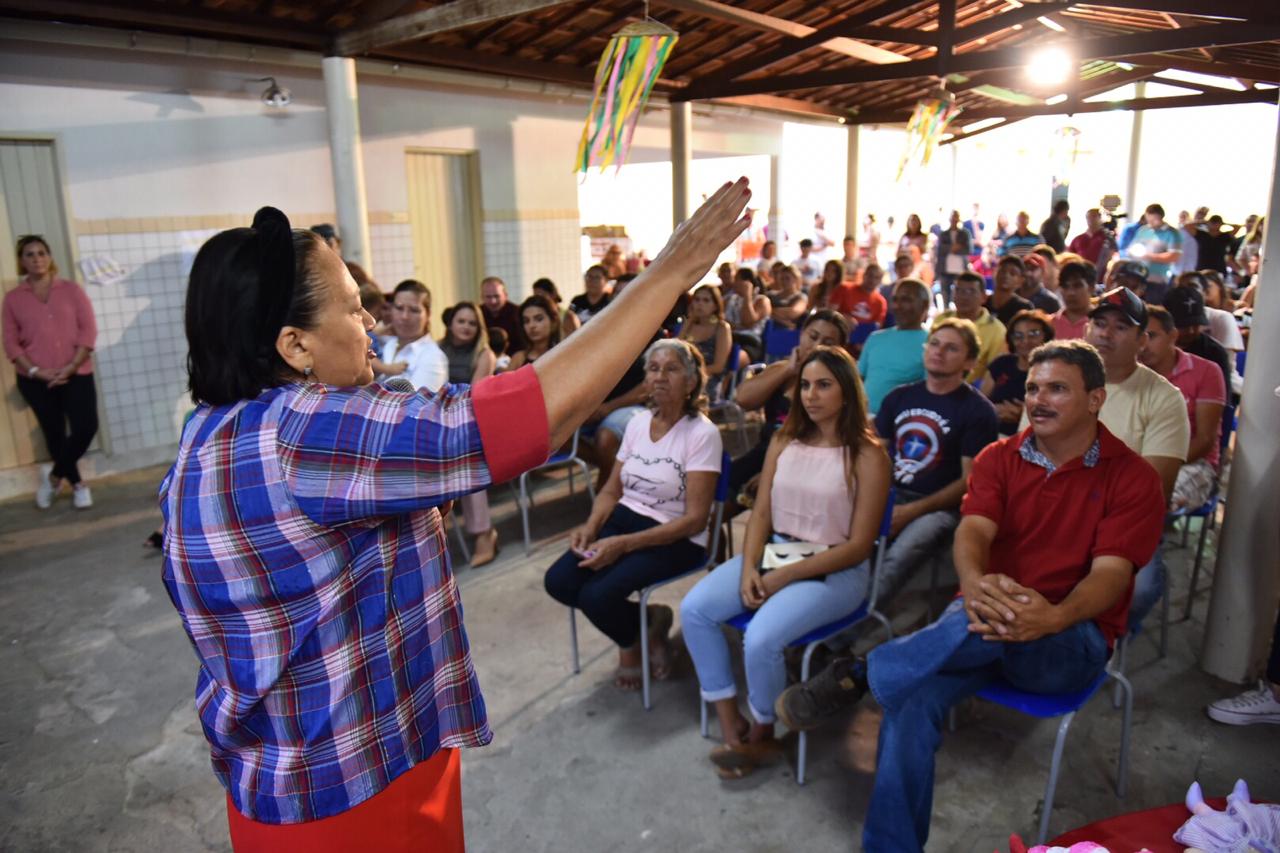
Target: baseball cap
[1125, 301]
[1137, 269]
[1187, 307]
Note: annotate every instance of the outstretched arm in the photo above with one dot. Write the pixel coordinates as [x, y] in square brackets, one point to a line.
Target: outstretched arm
[576, 375]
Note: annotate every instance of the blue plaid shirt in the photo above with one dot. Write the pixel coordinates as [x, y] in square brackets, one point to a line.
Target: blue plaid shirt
[306, 554]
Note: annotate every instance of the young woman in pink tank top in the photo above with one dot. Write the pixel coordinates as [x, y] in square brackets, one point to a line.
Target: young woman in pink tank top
[825, 481]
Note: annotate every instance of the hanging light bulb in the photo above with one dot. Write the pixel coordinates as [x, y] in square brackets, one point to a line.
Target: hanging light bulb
[275, 95]
[1050, 66]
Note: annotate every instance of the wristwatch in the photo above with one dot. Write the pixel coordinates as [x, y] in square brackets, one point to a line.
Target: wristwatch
[32, 372]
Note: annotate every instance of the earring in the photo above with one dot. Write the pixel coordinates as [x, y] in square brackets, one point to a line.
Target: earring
[306, 371]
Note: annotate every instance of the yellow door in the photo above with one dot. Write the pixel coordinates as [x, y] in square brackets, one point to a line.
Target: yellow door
[444, 218]
[31, 202]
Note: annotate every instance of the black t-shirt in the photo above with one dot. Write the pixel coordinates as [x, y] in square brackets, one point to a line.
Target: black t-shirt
[582, 306]
[1006, 314]
[928, 433]
[1212, 251]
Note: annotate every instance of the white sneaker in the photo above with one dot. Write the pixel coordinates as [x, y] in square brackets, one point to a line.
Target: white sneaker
[45, 490]
[81, 496]
[1252, 706]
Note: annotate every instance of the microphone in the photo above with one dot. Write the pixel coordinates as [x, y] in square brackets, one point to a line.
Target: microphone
[399, 383]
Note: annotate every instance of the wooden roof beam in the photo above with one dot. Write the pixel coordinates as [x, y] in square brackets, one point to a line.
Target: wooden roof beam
[1104, 47]
[772, 24]
[1076, 107]
[437, 19]
[1239, 70]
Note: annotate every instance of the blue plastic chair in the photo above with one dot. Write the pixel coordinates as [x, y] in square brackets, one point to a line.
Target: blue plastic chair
[717, 524]
[1064, 705]
[779, 342]
[810, 641]
[568, 458]
[858, 336]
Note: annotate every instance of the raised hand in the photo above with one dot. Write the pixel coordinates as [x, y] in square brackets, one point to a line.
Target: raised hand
[699, 240]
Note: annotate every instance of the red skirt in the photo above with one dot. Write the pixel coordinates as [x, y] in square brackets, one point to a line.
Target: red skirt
[420, 811]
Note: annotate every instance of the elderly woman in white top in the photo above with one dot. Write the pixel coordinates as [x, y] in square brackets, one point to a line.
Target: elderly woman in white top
[649, 522]
[824, 484]
[426, 364]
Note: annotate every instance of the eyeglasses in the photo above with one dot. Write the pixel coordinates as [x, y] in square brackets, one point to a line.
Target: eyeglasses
[1028, 335]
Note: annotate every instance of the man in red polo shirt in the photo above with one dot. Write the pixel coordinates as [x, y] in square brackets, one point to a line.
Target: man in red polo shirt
[1056, 520]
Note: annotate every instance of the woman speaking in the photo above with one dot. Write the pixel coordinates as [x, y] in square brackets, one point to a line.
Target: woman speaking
[303, 541]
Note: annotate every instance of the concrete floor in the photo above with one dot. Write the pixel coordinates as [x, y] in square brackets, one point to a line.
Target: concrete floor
[100, 748]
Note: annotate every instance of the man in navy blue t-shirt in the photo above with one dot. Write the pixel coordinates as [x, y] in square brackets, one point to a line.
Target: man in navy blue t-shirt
[933, 429]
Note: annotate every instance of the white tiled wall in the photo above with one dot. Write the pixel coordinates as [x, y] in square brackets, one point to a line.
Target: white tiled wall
[520, 251]
[392, 248]
[137, 283]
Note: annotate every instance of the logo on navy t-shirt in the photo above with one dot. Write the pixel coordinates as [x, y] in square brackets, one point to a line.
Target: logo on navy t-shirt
[918, 436]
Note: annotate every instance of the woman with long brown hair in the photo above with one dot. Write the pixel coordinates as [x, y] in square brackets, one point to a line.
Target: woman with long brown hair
[824, 486]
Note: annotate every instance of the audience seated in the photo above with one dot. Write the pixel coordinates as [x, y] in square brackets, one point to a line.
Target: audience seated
[540, 328]
[411, 342]
[770, 390]
[891, 357]
[466, 346]
[858, 298]
[824, 486]
[649, 522]
[569, 322]
[827, 288]
[788, 301]
[747, 309]
[499, 311]
[1200, 382]
[933, 429]
[1004, 300]
[1142, 409]
[1185, 302]
[1045, 582]
[1006, 378]
[1076, 282]
[596, 298]
[968, 292]
[1033, 290]
[706, 329]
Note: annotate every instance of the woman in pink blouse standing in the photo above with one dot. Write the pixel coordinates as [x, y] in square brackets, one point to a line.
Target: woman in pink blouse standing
[49, 333]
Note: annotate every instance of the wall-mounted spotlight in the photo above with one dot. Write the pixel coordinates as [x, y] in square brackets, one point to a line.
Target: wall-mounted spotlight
[275, 95]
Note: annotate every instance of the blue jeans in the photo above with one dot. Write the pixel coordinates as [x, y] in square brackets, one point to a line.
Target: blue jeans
[1148, 586]
[917, 678]
[602, 595]
[788, 614]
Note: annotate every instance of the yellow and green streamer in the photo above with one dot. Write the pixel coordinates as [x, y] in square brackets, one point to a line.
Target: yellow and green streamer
[928, 123]
[631, 64]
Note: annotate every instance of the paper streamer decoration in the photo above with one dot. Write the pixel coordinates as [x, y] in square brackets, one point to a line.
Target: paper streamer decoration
[632, 61]
[928, 122]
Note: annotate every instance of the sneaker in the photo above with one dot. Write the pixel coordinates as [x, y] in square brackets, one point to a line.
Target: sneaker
[1252, 706]
[81, 496]
[837, 688]
[45, 490]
